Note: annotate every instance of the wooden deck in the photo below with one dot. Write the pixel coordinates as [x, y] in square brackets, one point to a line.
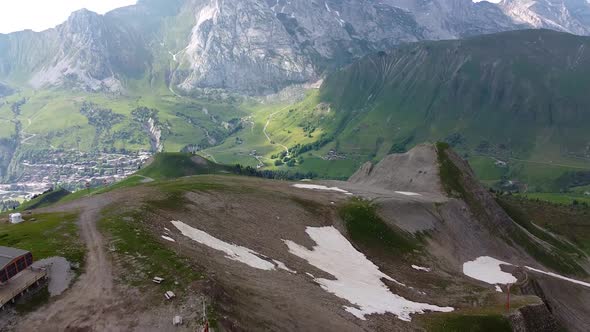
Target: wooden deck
[20, 283]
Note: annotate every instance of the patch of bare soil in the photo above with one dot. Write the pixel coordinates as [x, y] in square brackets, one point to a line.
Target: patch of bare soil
[95, 302]
[260, 216]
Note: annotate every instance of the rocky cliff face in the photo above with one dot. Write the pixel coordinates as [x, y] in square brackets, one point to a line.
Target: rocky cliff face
[262, 45]
[80, 56]
[571, 16]
[155, 133]
[452, 19]
[252, 46]
[88, 52]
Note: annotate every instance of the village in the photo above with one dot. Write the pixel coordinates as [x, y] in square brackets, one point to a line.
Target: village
[71, 170]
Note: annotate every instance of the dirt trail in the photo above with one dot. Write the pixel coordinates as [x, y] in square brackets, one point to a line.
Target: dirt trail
[92, 296]
[266, 127]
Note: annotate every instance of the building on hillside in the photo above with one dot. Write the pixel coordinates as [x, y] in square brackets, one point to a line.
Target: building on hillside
[18, 275]
[12, 262]
[16, 218]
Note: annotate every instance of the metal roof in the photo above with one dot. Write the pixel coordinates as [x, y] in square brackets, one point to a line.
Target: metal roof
[7, 255]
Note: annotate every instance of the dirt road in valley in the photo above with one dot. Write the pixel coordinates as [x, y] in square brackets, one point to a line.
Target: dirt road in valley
[268, 136]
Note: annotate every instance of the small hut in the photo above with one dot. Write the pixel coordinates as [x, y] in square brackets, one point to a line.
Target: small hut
[16, 218]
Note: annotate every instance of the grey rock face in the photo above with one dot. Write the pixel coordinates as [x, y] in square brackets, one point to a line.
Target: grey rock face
[252, 46]
[90, 52]
[80, 56]
[451, 19]
[264, 45]
[571, 16]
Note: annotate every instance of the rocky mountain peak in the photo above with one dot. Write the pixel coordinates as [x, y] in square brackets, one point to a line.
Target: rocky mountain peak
[571, 16]
[254, 46]
[267, 44]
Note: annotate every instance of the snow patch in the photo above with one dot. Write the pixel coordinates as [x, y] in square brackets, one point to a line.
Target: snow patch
[320, 187]
[420, 268]
[499, 289]
[167, 238]
[407, 193]
[282, 266]
[232, 251]
[487, 269]
[554, 275]
[357, 279]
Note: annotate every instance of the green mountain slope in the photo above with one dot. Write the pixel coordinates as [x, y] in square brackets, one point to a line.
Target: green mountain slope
[175, 165]
[514, 103]
[518, 97]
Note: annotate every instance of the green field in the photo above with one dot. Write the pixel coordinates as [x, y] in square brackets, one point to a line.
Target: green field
[545, 219]
[361, 113]
[175, 165]
[185, 121]
[469, 323]
[559, 198]
[131, 236]
[366, 228]
[44, 200]
[50, 235]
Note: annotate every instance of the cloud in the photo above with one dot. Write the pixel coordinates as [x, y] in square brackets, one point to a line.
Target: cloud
[39, 15]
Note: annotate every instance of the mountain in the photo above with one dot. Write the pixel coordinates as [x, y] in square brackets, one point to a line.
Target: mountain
[253, 46]
[89, 51]
[571, 16]
[283, 42]
[362, 254]
[187, 75]
[519, 97]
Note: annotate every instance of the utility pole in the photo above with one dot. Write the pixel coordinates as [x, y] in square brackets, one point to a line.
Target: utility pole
[206, 322]
[508, 298]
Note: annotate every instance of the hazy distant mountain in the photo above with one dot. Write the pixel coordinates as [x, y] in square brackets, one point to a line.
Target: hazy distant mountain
[253, 46]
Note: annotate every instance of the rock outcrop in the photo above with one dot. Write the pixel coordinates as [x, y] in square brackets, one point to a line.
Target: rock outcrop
[414, 171]
[571, 16]
[533, 318]
[260, 46]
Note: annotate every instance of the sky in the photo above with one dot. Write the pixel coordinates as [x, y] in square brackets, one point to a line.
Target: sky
[38, 15]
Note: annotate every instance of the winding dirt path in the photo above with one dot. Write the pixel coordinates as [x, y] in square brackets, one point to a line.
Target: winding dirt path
[266, 127]
[90, 303]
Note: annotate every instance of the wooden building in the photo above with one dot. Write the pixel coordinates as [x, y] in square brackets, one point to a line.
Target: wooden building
[13, 261]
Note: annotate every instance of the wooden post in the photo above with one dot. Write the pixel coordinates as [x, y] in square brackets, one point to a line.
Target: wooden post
[508, 298]
[206, 321]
